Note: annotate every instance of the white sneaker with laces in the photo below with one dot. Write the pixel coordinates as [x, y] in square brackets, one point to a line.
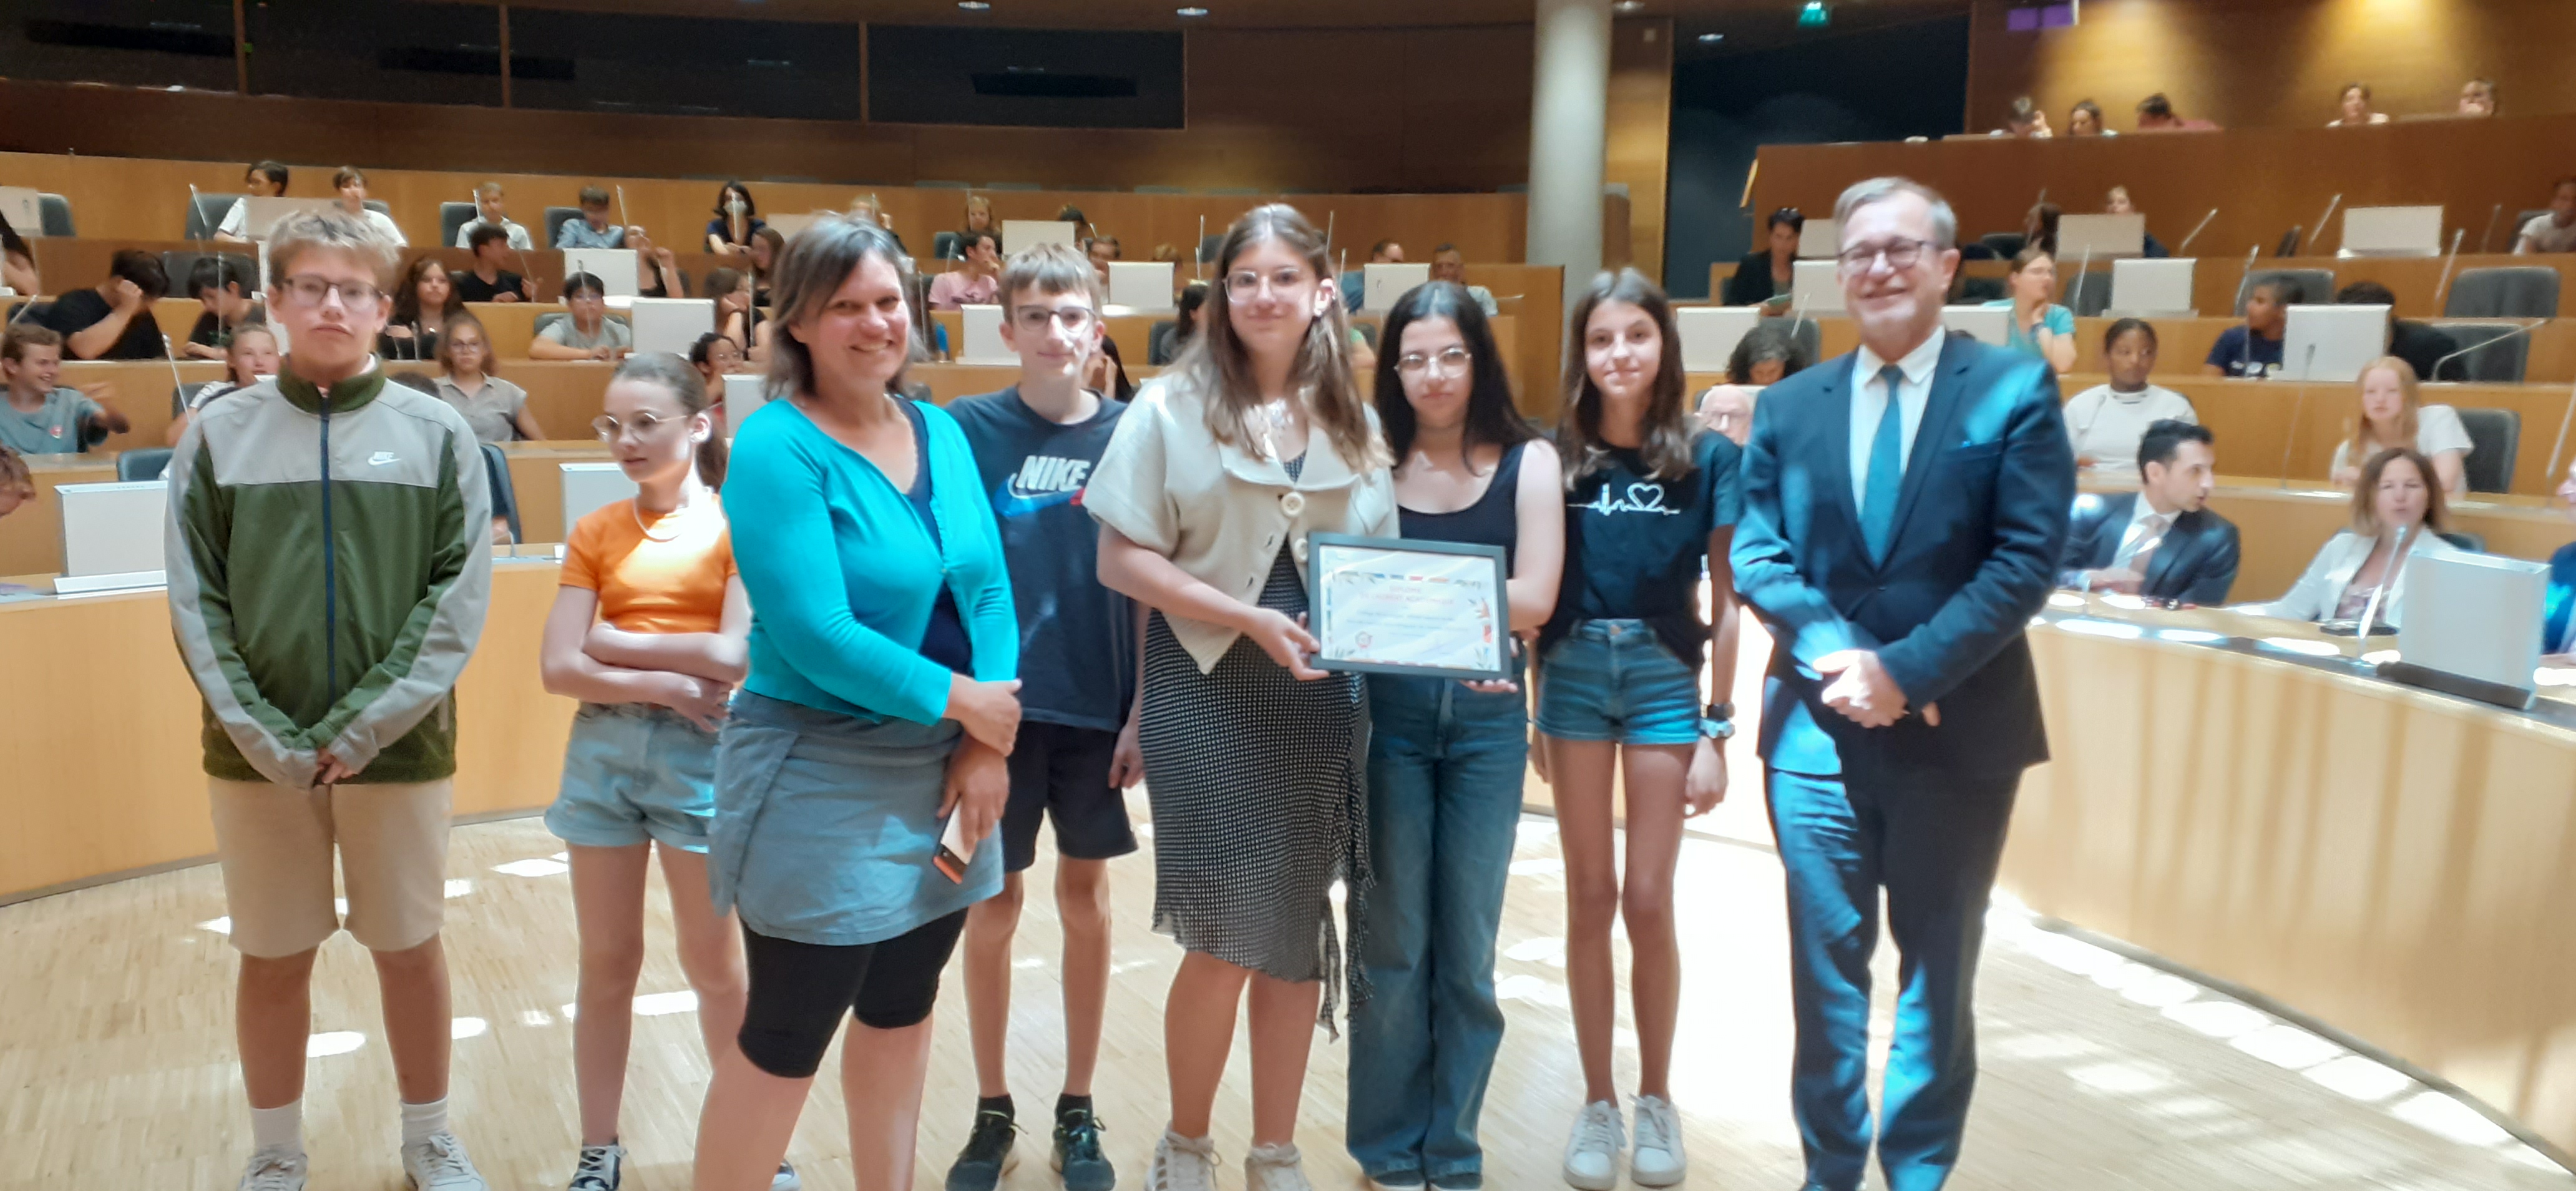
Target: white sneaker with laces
[600, 1168]
[438, 1163]
[1658, 1161]
[276, 1168]
[1183, 1164]
[1592, 1153]
[1275, 1168]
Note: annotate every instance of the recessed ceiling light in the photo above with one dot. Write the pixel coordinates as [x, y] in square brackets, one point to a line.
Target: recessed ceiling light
[1711, 38]
[1192, 11]
[973, 5]
[1627, 6]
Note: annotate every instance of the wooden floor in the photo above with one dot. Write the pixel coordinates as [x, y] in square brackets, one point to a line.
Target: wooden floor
[117, 1067]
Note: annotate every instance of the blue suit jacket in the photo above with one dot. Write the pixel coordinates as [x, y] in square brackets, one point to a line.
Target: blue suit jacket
[1980, 524]
[2196, 563]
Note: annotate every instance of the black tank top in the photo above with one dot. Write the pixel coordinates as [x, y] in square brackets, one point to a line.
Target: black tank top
[1494, 519]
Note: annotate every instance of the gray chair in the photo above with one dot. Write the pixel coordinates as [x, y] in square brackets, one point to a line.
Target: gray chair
[137, 466]
[206, 214]
[2518, 291]
[1809, 335]
[2005, 245]
[1158, 342]
[181, 264]
[505, 502]
[555, 217]
[2315, 285]
[1207, 248]
[947, 246]
[1980, 289]
[2502, 363]
[452, 216]
[2089, 294]
[2473, 543]
[2496, 435]
[55, 212]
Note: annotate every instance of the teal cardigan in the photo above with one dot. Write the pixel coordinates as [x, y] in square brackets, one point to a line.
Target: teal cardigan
[804, 509]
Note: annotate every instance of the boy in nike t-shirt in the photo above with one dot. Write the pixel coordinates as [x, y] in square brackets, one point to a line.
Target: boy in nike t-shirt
[1035, 445]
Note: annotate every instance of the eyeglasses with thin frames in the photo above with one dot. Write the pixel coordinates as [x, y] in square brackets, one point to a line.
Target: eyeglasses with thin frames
[1454, 361]
[305, 289]
[1245, 285]
[1033, 320]
[1900, 255]
[645, 425]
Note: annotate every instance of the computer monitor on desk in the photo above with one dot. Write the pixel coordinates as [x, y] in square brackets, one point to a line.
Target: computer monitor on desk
[1820, 239]
[2332, 343]
[2101, 237]
[744, 394]
[1989, 325]
[670, 324]
[2472, 618]
[1815, 287]
[1382, 284]
[1141, 286]
[112, 535]
[1710, 333]
[2149, 288]
[263, 211]
[2392, 231]
[590, 486]
[983, 337]
[614, 267]
[24, 207]
[1029, 233]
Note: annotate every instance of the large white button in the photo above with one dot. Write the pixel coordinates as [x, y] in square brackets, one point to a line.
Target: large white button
[1292, 502]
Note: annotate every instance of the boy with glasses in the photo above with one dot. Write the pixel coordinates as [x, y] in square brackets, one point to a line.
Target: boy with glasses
[328, 572]
[1036, 444]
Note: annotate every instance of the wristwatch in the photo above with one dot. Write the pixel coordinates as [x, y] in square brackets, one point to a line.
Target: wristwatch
[1717, 721]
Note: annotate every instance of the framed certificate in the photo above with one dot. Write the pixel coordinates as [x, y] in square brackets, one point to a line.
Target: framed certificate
[1399, 606]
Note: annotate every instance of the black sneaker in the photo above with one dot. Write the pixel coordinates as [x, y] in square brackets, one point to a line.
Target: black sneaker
[988, 1154]
[599, 1168]
[1077, 1152]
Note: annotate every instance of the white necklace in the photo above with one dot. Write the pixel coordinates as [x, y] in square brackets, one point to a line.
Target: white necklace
[636, 507]
[1274, 419]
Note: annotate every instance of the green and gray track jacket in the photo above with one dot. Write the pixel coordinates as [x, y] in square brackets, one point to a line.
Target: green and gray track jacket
[330, 561]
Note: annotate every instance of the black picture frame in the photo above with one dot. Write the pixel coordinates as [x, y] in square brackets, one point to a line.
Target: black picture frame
[1318, 542]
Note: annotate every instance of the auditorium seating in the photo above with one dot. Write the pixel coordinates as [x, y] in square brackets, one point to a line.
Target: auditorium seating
[2525, 291]
[2497, 434]
[2503, 353]
[452, 216]
[555, 217]
[54, 212]
[2088, 294]
[205, 214]
[2315, 285]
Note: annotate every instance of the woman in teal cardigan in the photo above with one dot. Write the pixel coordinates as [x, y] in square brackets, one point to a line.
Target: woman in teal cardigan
[880, 701]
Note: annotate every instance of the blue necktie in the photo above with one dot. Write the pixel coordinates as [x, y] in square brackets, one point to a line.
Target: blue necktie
[1886, 469]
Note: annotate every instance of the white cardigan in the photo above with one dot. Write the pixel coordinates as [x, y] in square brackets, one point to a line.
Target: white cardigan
[2315, 595]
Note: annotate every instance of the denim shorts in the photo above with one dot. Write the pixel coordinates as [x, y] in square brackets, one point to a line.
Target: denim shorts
[633, 772]
[1615, 680]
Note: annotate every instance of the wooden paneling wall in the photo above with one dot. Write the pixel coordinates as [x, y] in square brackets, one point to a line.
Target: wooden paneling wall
[2261, 181]
[1639, 151]
[2273, 63]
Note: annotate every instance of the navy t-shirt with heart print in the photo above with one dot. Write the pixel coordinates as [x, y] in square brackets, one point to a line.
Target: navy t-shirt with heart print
[1636, 547]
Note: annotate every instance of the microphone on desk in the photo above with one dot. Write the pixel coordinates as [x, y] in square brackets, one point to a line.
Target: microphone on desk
[2251, 255]
[2387, 579]
[1198, 252]
[2297, 405]
[2185, 246]
[2563, 418]
[2327, 219]
[170, 352]
[2444, 288]
[2516, 333]
[2486, 239]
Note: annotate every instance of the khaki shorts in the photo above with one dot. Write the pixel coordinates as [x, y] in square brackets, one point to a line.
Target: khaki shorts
[275, 844]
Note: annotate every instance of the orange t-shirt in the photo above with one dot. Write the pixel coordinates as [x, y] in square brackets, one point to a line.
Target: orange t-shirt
[671, 580]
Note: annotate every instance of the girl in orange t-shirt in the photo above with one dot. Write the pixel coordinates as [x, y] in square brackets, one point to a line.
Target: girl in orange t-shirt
[648, 632]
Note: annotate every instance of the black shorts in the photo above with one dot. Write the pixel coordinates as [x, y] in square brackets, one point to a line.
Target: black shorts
[800, 990]
[1064, 771]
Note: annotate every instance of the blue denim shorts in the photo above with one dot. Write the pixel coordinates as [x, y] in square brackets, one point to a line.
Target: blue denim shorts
[633, 772]
[1615, 680]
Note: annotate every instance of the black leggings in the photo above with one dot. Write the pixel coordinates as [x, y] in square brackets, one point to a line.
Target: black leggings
[800, 990]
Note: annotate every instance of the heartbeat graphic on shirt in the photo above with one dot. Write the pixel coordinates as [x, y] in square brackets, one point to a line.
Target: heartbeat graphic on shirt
[1641, 498]
[1043, 482]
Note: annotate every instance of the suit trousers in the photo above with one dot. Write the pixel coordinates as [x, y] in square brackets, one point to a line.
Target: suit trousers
[1932, 843]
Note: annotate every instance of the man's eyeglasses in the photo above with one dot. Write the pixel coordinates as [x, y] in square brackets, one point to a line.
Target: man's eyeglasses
[305, 289]
[1449, 362]
[1033, 320]
[1900, 255]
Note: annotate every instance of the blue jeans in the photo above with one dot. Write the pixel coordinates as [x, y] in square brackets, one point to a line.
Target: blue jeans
[1932, 843]
[1445, 768]
[1616, 680]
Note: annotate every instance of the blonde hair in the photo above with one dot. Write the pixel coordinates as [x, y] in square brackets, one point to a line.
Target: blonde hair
[328, 229]
[2365, 442]
[1218, 367]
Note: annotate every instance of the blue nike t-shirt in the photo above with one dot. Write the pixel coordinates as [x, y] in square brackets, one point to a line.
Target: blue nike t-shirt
[1077, 638]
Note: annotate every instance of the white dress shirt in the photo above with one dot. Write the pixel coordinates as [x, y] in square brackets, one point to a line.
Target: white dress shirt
[1869, 404]
[2146, 525]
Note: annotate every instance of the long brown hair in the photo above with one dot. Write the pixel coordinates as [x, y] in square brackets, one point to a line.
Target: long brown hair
[1668, 426]
[2365, 495]
[447, 344]
[1215, 363]
[676, 377]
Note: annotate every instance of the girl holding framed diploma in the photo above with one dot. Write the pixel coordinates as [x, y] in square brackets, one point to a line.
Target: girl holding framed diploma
[1446, 758]
[1649, 498]
[1222, 466]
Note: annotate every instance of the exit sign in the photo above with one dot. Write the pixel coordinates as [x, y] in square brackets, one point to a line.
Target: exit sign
[1815, 15]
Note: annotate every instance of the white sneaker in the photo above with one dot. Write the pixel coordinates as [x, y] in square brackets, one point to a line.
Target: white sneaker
[276, 1168]
[1659, 1161]
[1592, 1154]
[1275, 1168]
[1183, 1164]
[438, 1163]
[600, 1168]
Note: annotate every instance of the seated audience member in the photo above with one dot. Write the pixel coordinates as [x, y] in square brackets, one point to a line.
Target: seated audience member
[248, 359]
[2555, 231]
[2106, 422]
[1354, 283]
[18, 263]
[1765, 277]
[1115, 380]
[17, 484]
[495, 408]
[1102, 250]
[2039, 227]
[979, 216]
[2040, 326]
[585, 332]
[736, 315]
[1766, 354]
[2118, 203]
[2161, 541]
[2353, 108]
[867, 208]
[715, 356]
[657, 269]
[351, 186]
[591, 228]
[978, 282]
[2025, 120]
[222, 284]
[488, 281]
[1166, 341]
[1450, 265]
[729, 233]
[42, 416]
[424, 299]
[2252, 350]
[2557, 611]
[2478, 98]
[1069, 213]
[767, 245]
[2156, 114]
[492, 209]
[266, 179]
[2397, 512]
[2416, 343]
[2085, 119]
[2393, 414]
[113, 320]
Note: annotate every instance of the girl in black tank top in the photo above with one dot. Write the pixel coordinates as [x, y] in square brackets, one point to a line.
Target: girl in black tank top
[1491, 521]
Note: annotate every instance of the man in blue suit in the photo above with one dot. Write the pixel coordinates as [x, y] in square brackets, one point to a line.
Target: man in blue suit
[2162, 541]
[1904, 511]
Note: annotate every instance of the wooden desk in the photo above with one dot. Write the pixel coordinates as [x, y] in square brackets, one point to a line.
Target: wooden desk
[2391, 862]
[106, 774]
